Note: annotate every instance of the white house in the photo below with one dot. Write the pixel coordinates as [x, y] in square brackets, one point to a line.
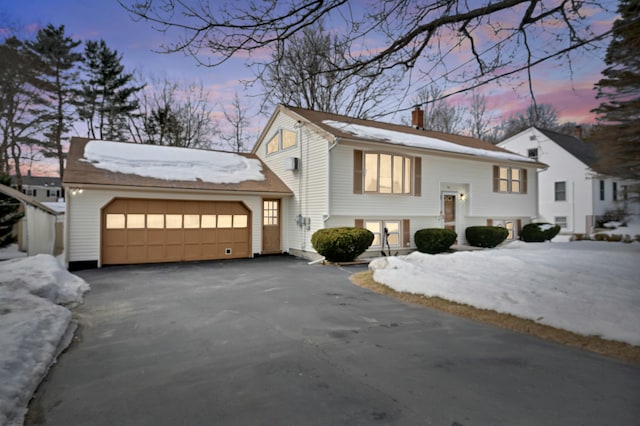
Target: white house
[129, 203]
[571, 194]
[350, 172]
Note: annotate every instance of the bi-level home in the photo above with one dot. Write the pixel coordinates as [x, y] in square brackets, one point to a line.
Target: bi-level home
[345, 171]
[570, 192]
[129, 203]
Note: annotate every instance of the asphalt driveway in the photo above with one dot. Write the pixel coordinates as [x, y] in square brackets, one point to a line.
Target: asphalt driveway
[275, 341]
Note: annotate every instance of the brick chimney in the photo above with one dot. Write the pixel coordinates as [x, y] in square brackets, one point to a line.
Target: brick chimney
[417, 118]
[578, 132]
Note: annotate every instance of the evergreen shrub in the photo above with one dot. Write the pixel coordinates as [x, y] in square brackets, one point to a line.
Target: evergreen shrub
[434, 240]
[538, 232]
[486, 236]
[341, 244]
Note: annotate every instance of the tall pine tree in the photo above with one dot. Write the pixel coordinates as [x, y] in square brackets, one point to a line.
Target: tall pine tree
[106, 101]
[617, 134]
[9, 214]
[59, 75]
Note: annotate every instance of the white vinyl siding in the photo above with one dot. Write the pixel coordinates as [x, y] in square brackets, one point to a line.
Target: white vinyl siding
[85, 209]
[309, 183]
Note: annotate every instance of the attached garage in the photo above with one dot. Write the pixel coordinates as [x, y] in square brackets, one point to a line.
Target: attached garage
[151, 231]
[129, 204]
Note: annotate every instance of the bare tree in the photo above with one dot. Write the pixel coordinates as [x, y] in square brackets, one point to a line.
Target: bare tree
[478, 122]
[306, 72]
[438, 114]
[237, 137]
[172, 113]
[544, 116]
[407, 33]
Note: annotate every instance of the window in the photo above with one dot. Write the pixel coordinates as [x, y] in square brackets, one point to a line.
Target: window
[155, 221]
[191, 221]
[560, 191]
[533, 153]
[135, 221]
[509, 179]
[377, 227]
[239, 220]
[272, 145]
[225, 221]
[115, 221]
[561, 221]
[270, 212]
[601, 190]
[387, 173]
[173, 221]
[208, 221]
[288, 139]
[283, 139]
[615, 191]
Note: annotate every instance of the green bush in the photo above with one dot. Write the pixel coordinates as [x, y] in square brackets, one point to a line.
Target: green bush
[485, 236]
[434, 240]
[539, 232]
[341, 244]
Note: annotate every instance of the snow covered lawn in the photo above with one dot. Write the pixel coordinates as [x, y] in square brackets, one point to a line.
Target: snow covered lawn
[35, 326]
[587, 287]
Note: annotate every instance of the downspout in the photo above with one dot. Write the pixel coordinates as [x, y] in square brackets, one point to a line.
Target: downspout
[326, 217]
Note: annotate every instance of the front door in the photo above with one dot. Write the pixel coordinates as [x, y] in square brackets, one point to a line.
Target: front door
[449, 211]
[271, 226]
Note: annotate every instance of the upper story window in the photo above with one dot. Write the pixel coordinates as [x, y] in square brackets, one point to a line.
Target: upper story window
[601, 190]
[282, 140]
[615, 191]
[509, 180]
[387, 173]
[533, 153]
[560, 190]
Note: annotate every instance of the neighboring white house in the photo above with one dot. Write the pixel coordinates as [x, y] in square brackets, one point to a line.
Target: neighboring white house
[571, 194]
[350, 172]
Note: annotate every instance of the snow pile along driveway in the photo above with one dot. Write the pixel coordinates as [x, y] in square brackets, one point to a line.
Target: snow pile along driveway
[34, 327]
[587, 287]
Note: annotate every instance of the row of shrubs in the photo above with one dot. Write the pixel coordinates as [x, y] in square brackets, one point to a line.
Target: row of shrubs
[626, 238]
[346, 244]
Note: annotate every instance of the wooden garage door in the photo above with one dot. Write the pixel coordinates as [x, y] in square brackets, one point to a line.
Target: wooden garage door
[151, 231]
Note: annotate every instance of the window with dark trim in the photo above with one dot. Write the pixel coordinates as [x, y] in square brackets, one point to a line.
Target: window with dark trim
[560, 190]
[509, 180]
[386, 173]
[615, 191]
[533, 153]
[601, 190]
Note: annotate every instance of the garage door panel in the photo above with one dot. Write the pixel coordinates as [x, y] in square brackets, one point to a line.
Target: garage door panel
[156, 237]
[142, 231]
[156, 206]
[174, 236]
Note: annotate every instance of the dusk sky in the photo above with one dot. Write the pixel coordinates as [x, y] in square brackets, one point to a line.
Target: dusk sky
[136, 41]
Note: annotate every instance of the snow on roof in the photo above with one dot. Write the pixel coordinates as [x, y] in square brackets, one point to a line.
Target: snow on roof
[417, 141]
[172, 163]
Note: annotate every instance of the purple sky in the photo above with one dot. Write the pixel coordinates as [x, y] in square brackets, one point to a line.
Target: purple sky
[105, 19]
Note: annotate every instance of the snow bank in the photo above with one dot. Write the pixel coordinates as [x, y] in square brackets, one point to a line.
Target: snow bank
[34, 328]
[587, 287]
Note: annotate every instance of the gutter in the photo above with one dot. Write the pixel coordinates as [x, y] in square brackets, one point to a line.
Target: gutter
[326, 217]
